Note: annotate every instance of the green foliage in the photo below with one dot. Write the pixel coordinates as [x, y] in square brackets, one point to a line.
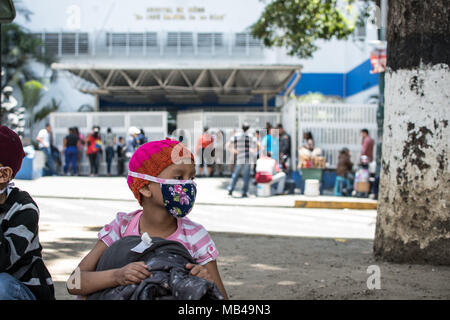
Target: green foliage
[46, 110]
[297, 24]
[18, 48]
[31, 94]
[317, 97]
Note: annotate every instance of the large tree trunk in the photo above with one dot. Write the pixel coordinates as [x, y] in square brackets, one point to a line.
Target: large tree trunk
[413, 222]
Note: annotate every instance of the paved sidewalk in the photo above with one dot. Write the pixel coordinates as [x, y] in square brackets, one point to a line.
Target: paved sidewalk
[259, 267]
[211, 191]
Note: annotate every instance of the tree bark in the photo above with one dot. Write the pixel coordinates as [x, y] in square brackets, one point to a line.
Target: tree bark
[413, 220]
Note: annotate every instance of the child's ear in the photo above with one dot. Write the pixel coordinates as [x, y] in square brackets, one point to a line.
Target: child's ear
[6, 175]
[145, 191]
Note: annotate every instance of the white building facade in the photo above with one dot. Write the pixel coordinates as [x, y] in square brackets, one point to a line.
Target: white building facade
[182, 54]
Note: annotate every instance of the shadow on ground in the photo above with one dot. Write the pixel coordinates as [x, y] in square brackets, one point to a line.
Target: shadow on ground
[271, 267]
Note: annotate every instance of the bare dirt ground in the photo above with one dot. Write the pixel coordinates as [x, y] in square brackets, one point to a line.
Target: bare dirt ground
[259, 267]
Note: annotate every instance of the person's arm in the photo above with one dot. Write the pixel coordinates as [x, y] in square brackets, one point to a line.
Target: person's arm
[208, 272]
[92, 281]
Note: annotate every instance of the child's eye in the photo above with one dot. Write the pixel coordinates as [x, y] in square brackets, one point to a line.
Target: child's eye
[178, 178]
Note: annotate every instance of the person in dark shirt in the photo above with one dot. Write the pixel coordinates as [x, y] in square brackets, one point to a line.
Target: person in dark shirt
[121, 149]
[71, 145]
[285, 148]
[23, 274]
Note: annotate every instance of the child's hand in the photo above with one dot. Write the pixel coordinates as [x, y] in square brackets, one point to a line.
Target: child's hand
[199, 271]
[133, 272]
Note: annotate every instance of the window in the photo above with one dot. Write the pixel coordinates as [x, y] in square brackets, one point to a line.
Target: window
[184, 39]
[207, 39]
[243, 38]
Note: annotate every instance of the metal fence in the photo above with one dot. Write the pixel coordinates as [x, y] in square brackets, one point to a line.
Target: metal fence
[154, 125]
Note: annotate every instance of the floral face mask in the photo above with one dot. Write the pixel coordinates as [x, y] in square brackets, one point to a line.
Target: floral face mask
[178, 195]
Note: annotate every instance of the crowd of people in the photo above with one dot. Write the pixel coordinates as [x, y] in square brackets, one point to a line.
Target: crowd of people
[363, 181]
[95, 146]
[261, 156]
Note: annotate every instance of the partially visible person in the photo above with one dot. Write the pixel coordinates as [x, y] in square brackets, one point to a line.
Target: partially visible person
[244, 147]
[367, 145]
[285, 148]
[219, 152]
[93, 142]
[361, 186]
[268, 171]
[45, 142]
[110, 141]
[82, 140]
[23, 274]
[121, 148]
[204, 149]
[307, 135]
[141, 138]
[71, 145]
[132, 141]
[342, 186]
[258, 149]
[271, 143]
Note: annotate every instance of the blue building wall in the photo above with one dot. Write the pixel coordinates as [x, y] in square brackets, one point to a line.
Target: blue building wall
[338, 84]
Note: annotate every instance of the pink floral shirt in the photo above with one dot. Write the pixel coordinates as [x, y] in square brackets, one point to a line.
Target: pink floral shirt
[192, 235]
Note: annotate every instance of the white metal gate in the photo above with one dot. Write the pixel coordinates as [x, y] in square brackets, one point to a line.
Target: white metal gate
[154, 125]
[333, 127]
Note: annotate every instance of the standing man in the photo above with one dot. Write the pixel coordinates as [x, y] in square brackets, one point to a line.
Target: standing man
[45, 140]
[110, 142]
[285, 148]
[367, 145]
[243, 145]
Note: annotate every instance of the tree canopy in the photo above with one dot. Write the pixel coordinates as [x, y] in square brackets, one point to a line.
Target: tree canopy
[297, 24]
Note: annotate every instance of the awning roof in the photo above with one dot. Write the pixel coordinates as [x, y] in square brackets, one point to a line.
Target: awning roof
[161, 84]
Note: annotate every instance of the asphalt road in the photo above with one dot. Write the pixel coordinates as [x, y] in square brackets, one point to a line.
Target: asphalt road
[327, 223]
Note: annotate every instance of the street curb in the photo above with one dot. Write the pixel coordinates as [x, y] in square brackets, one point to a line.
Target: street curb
[360, 205]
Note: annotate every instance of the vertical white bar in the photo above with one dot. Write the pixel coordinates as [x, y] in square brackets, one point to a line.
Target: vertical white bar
[127, 43]
[93, 42]
[43, 43]
[60, 43]
[144, 44]
[77, 43]
[110, 43]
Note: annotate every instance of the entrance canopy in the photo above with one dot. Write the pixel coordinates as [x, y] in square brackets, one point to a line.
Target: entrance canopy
[184, 85]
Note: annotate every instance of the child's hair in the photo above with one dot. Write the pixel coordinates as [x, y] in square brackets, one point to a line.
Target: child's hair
[11, 150]
[152, 158]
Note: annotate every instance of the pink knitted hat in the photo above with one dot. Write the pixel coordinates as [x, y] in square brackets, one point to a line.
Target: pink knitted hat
[153, 157]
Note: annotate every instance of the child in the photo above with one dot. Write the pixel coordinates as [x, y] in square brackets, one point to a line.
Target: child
[23, 275]
[159, 173]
